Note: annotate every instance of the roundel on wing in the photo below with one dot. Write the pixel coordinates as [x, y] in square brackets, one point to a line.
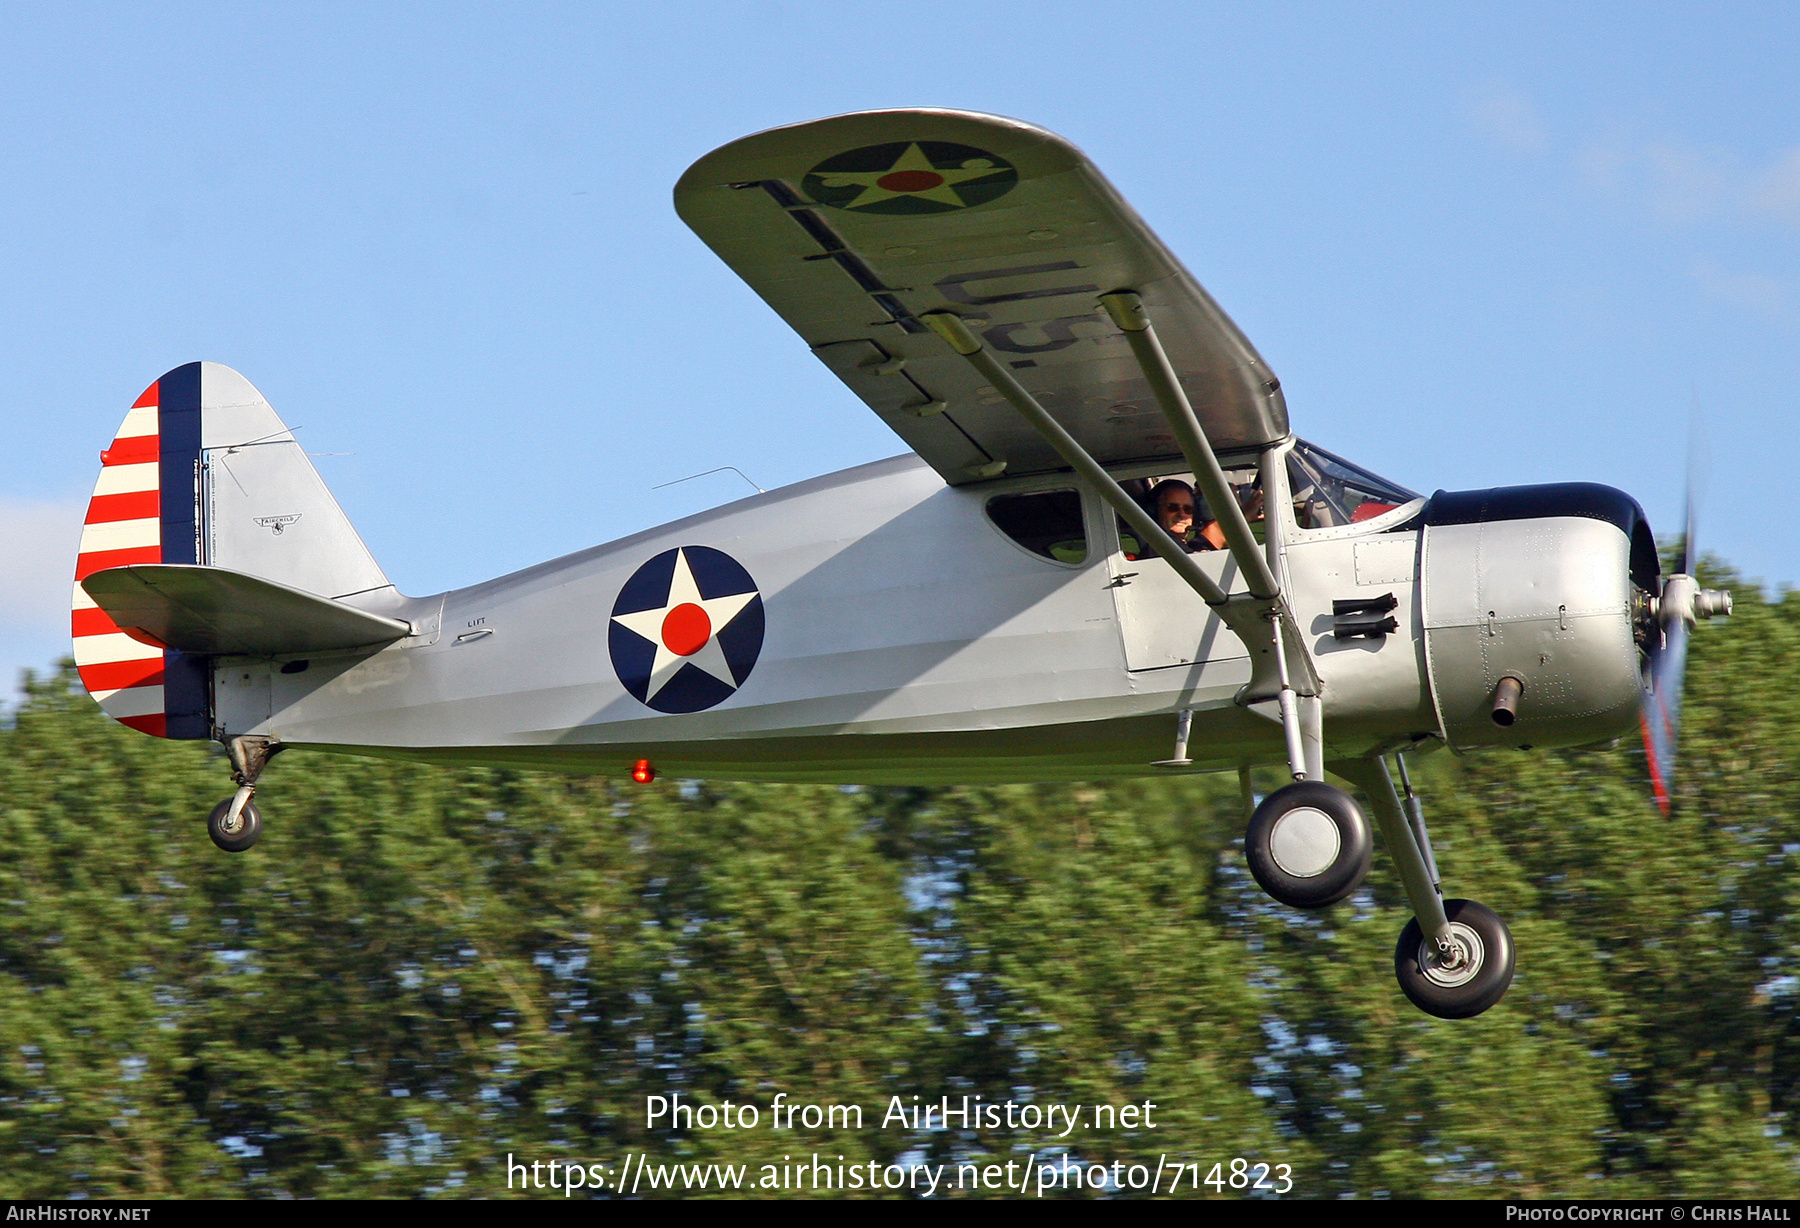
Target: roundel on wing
[910, 177]
[686, 629]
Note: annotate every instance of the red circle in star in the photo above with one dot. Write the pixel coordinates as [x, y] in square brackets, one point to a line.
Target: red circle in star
[910, 181]
[685, 629]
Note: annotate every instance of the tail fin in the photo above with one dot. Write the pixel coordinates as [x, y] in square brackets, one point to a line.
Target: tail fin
[202, 471]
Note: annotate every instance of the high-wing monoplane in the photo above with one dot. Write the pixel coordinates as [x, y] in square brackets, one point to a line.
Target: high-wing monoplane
[1106, 554]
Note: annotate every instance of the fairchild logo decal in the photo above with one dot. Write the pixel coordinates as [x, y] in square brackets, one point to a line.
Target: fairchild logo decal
[277, 523]
[686, 629]
[910, 177]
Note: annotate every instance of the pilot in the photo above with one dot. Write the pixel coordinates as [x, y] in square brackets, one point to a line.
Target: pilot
[1172, 505]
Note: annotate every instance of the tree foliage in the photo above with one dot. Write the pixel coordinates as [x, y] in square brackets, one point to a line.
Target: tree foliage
[420, 971]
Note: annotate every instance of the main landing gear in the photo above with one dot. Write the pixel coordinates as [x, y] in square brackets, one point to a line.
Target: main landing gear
[235, 823]
[1461, 981]
[1308, 846]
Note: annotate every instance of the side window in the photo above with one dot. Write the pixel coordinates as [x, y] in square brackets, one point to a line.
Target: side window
[1046, 522]
[1173, 503]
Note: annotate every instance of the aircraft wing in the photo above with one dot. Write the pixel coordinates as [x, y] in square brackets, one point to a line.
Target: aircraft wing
[853, 226]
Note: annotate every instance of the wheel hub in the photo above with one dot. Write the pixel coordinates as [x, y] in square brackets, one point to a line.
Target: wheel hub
[1305, 842]
[1457, 966]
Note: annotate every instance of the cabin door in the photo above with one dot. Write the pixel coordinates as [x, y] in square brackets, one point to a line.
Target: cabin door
[1164, 622]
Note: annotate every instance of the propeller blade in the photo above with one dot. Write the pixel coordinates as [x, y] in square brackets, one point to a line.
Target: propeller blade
[1681, 602]
[1698, 465]
[1661, 712]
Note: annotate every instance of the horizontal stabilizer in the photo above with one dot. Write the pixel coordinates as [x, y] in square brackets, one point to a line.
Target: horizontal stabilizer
[217, 612]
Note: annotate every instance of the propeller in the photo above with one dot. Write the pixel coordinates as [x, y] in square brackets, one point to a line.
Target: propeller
[1681, 602]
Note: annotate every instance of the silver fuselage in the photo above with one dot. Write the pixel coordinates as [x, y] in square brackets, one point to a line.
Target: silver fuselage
[908, 640]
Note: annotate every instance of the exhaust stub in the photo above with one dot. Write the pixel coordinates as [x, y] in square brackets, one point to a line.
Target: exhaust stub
[1506, 701]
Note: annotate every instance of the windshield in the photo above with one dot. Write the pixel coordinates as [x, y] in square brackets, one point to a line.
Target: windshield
[1328, 490]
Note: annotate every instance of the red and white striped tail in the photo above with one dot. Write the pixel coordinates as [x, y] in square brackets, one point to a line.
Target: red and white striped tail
[124, 673]
[157, 501]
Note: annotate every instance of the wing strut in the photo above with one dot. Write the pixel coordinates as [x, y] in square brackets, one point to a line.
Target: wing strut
[957, 335]
[1260, 621]
[1127, 311]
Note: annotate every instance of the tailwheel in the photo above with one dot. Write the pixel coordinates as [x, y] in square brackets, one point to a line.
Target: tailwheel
[1465, 980]
[235, 823]
[1308, 844]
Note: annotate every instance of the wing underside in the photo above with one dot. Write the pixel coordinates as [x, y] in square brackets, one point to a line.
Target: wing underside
[852, 227]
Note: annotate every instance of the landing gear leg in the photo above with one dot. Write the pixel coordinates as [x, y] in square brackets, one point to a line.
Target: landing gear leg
[1415, 815]
[1455, 957]
[1308, 844]
[235, 823]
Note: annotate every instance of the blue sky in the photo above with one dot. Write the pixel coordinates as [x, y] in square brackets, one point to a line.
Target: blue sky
[1481, 246]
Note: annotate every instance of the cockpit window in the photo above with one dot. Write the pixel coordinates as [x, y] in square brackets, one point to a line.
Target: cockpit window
[1330, 491]
[1045, 522]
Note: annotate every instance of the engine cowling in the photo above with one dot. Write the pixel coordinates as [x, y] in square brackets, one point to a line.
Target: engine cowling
[1550, 587]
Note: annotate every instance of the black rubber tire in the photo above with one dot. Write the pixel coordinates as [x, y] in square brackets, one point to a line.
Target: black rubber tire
[1481, 990]
[1347, 868]
[234, 842]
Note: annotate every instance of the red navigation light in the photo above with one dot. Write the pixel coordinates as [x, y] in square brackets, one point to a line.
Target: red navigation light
[643, 771]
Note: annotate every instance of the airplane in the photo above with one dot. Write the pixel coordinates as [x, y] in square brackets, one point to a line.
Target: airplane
[1106, 554]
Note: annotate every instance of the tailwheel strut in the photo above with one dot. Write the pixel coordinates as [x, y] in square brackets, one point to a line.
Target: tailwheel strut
[235, 824]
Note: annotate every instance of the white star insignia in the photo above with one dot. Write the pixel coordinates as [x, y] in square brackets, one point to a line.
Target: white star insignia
[720, 611]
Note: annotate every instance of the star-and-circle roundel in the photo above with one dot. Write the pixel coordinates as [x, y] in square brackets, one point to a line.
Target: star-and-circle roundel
[686, 629]
[910, 177]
